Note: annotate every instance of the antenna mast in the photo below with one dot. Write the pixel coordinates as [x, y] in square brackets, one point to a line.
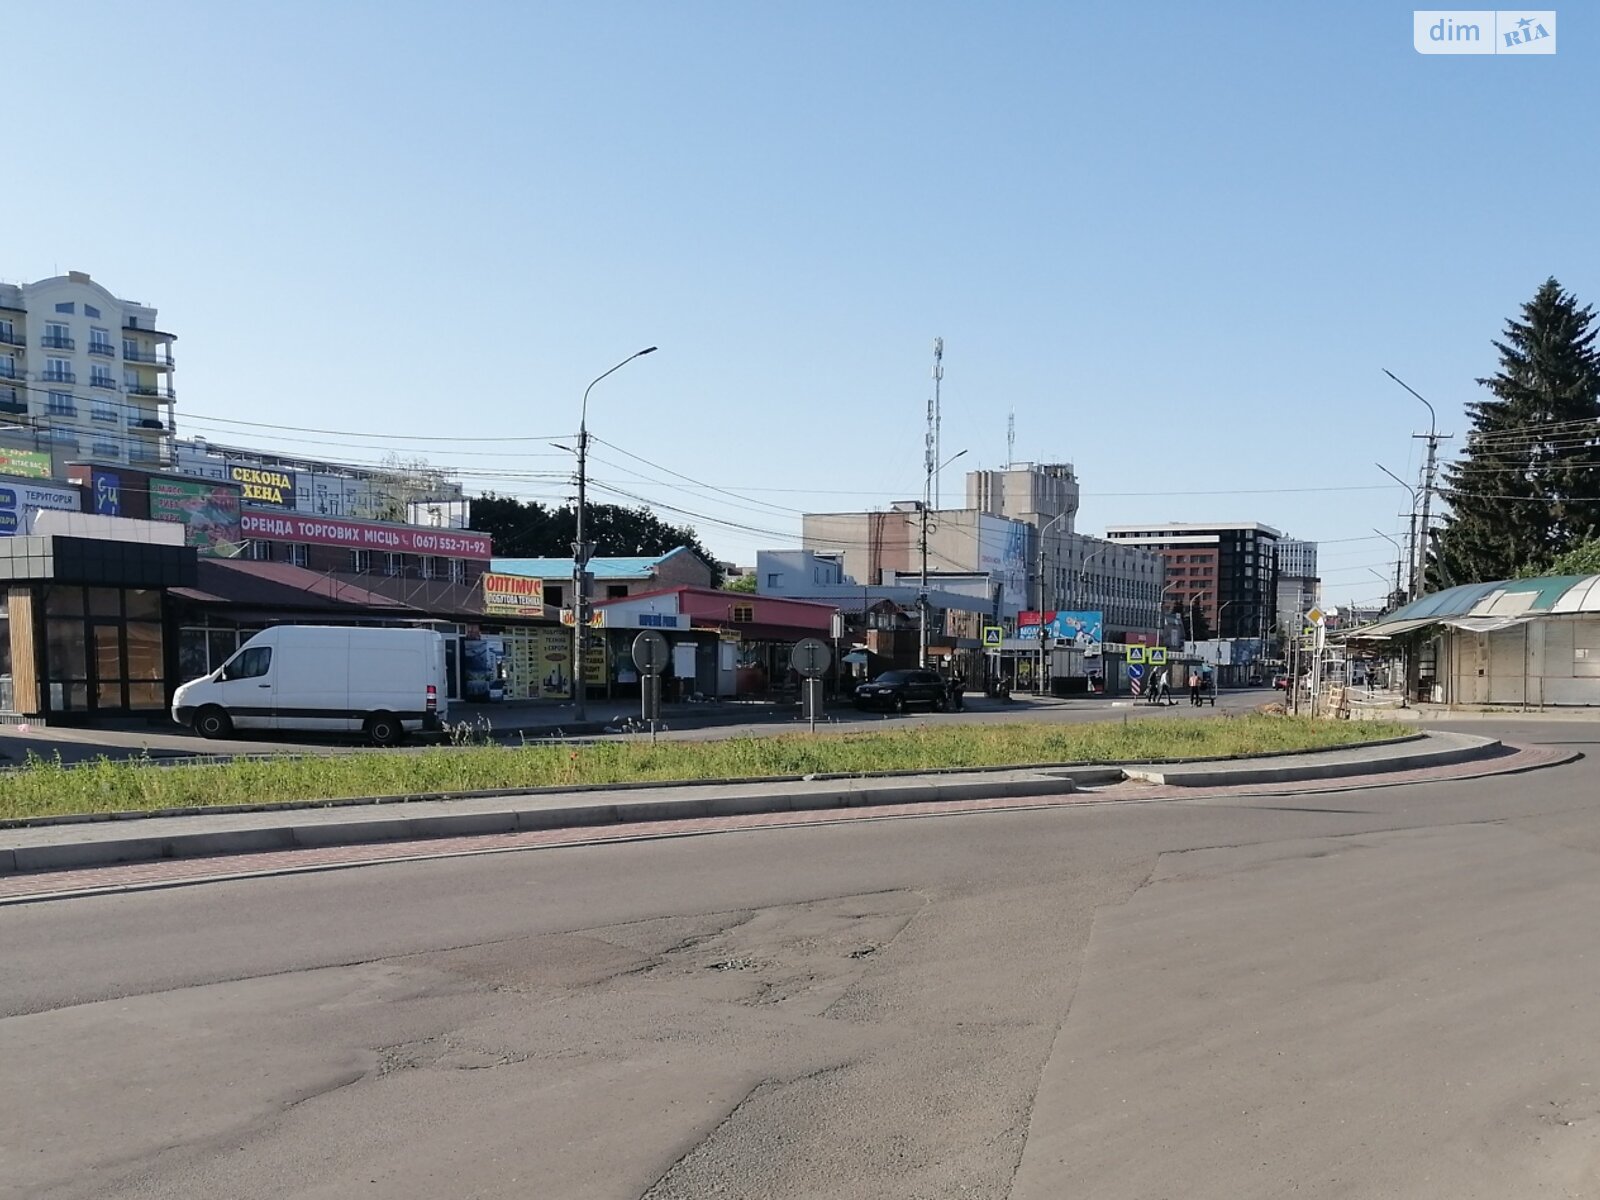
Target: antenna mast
[1011, 439]
[934, 415]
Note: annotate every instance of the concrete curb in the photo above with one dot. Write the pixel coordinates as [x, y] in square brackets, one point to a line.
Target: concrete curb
[743, 798]
[1084, 773]
[1469, 747]
[511, 820]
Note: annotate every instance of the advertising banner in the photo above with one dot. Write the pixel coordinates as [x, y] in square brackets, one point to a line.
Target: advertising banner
[19, 498]
[554, 663]
[1003, 554]
[363, 535]
[512, 596]
[106, 488]
[265, 486]
[208, 512]
[1082, 629]
[29, 464]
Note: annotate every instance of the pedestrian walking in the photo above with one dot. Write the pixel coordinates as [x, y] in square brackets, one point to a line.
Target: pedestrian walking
[1194, 688]
[958, 691]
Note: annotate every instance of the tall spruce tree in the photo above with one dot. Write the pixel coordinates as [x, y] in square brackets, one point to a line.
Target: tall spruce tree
[1524, 490]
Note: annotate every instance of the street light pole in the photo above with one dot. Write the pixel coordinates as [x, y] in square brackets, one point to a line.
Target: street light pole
[1397, 557]
[1421, 584]
[580, 551]
[1044, 529]
[1411, 570]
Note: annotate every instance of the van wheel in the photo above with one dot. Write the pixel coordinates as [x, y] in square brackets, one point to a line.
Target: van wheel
[384, 729]
[212, 722]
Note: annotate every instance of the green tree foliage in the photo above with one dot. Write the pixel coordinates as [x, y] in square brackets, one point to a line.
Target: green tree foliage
[528, 529]
[1523, 493]
[1582, 559]
[745, 583]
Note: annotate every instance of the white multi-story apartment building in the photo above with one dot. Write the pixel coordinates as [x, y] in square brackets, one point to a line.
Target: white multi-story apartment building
[83, 374]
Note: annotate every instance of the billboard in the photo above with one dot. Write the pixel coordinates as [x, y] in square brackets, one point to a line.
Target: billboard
[362, 535]
[19, 499]
[1082, 629]
[106, 488]
[1003, 555]
[513, 596]
[29, 464]
[266, 486]
[209, 512]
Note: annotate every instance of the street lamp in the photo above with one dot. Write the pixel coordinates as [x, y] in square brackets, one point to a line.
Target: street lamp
[580, 551]
[1398, 557]
[922, 598]
[1044, 529]
[1411, 585]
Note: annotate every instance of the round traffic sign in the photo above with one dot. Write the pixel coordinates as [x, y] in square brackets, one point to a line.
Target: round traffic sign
[811, 657]
[650, 652]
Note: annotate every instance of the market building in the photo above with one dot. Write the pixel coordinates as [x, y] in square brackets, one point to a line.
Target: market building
[1514, 642]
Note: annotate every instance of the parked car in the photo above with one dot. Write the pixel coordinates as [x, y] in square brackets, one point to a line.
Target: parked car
[1255, 680]
[385, 683]
[900, 690]
[1280, 682]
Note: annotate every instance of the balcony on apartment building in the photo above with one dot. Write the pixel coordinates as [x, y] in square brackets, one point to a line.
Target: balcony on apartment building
[149, 358]
[55, 341]
[104, 349]
[59, 377]
[10, 337]
[158, 393]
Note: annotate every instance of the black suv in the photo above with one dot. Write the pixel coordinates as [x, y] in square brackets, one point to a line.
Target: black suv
[899, 690]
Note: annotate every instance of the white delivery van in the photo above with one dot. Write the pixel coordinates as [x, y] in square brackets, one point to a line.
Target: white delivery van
[325, 679]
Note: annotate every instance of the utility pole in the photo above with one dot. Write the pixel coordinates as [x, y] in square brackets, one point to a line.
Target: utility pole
[1412, 590]
[1423, 534]
[922, 596]
[938, 376]
[581, 553]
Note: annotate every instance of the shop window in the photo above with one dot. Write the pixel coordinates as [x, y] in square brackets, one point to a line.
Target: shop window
[743, 614]
[299, 554]
[221, 643]
[142, 605]
[105, 602]
[63, 602]
[361, 561]
[394, 564]
[259, 551]
[616, 591]
[458, 570]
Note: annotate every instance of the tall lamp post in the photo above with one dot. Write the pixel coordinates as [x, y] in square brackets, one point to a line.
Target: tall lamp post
[1398, 558]
[1044, 529]
[580, 551]
[1411, 572]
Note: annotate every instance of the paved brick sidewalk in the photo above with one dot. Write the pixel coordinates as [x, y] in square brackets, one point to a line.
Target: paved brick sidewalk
[179, 872]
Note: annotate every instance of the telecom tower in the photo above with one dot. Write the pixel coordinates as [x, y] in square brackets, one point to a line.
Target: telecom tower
[934, 418]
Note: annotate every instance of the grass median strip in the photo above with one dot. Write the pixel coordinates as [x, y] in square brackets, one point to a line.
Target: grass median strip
[45, 787]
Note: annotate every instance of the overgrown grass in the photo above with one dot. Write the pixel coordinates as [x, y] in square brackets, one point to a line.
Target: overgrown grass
[46, 787]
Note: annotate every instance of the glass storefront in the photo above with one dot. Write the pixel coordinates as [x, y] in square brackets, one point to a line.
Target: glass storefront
[105, 650]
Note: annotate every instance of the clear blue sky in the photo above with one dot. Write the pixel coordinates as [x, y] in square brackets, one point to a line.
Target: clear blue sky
[1179, 240]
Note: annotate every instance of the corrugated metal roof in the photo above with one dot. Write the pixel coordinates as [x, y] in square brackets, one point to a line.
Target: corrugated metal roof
[561, 568]
[1503, 600]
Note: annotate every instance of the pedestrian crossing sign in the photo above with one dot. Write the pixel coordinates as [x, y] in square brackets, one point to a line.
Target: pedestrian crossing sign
[991, 637]
[1135, 654]
[1158, 656]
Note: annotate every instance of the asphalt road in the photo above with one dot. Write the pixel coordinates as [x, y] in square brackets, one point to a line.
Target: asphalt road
[1383, 993]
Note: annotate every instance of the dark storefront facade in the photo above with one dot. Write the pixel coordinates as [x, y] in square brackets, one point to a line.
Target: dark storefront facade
[86, 635]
